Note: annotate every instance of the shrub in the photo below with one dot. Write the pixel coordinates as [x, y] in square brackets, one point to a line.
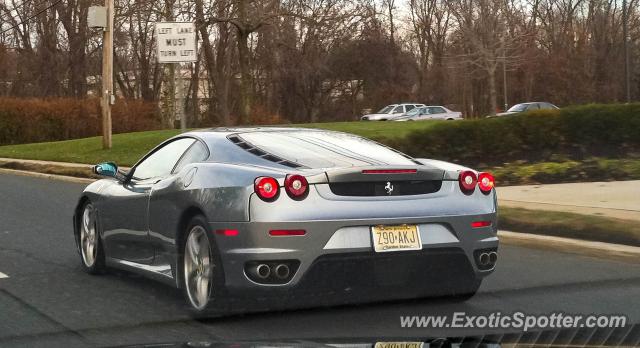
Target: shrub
[591, 169]
[574, 132]
[38, 120]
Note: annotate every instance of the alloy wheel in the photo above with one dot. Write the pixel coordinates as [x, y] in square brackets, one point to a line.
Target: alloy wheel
[197, 268]
[88, 237]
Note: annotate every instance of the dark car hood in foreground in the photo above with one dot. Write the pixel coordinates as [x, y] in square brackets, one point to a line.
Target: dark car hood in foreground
[351, 343]
[625, 336]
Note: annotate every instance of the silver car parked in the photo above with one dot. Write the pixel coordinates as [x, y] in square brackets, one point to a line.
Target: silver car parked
[430, 113]
[246, 219]
[391, 112]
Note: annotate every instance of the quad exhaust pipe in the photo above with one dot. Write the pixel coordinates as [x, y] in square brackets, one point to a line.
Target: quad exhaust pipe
[262, 271]
[269, 271]
[493, 257]
[486, 259]
[282, 271]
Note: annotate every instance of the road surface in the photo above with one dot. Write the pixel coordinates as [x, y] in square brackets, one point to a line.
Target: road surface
[47, 300]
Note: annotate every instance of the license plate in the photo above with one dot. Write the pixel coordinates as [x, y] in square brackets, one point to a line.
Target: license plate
[396, 238]
[399, 344]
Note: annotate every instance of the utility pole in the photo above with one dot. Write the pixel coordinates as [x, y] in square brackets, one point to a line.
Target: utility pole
[170, 75]
[180, 98]
[625, 33]
[504, 74]
[107, 98]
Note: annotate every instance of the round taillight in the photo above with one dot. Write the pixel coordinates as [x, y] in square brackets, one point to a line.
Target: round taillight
[468, 181]
[266, 188]
[296, 186]
[486, 182]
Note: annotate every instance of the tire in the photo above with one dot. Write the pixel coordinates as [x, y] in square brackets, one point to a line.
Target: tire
[468, 291]
[201, 278]
[89, 242]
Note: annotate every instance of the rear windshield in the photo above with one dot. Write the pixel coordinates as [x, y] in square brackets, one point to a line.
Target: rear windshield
[317, 149]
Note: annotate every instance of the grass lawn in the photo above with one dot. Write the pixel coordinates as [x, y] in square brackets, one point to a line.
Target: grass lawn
[129, 147]
[569, 225]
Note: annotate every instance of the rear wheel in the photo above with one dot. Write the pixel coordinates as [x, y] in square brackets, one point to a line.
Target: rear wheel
[91, 250]
[199, 268]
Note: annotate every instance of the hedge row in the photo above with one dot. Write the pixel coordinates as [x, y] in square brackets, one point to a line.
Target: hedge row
[38, 120]
[580, 132]
[591, 169]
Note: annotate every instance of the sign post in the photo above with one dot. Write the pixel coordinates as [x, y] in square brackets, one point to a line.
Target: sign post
[176, 43]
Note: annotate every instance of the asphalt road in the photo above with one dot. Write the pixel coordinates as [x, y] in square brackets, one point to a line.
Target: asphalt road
[47, 300]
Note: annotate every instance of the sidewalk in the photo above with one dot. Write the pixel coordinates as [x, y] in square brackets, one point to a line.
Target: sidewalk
[616, 199]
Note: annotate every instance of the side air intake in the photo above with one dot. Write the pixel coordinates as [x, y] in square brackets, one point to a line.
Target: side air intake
[261, 153]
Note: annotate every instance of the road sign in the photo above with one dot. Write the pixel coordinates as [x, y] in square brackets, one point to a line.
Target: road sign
[176, 42]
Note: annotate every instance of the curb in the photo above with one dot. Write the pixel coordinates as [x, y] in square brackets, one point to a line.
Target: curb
[41, 162]
[65, 178]
[54, 169]
[574, 246]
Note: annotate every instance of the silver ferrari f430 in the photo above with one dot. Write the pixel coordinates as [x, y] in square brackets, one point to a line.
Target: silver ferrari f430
[248, 219]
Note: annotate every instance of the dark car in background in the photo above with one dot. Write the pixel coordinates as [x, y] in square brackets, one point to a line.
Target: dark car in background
[522, 107]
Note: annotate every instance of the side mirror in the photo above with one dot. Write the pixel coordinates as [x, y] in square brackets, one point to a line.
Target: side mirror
[109, 169]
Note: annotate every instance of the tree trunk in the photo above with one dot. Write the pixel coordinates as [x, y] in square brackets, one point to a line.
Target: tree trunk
[493, 95]
[245, 77]
[222, 79]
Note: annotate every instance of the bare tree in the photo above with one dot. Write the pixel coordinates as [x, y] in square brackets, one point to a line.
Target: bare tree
[483, 30]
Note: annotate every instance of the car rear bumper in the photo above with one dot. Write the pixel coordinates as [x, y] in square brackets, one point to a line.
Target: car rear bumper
[338, 257]
[366, 277]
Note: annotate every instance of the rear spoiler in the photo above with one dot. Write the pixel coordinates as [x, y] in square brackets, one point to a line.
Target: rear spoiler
[451, 170]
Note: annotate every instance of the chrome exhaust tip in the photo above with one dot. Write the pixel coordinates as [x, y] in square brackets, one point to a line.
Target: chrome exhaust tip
[282, 271]
[484, 259]
[262, 271]
[493, 257]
